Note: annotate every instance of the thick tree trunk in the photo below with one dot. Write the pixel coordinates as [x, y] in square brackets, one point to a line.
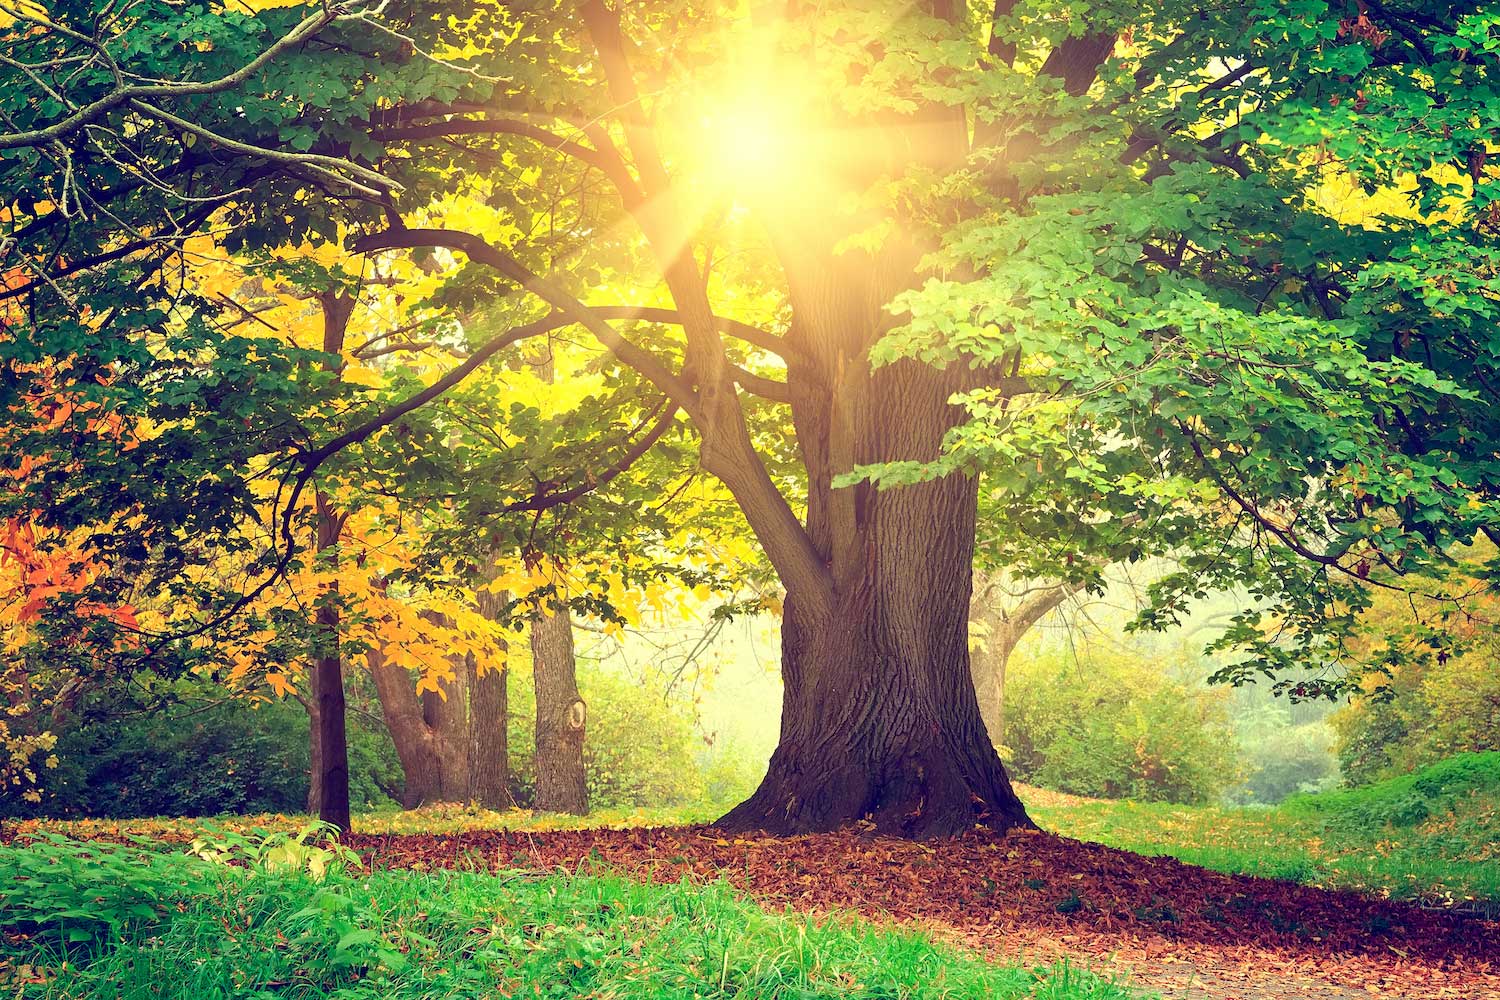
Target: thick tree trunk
[561, 715]
[447, 718]
[421, 768]
[879, 719]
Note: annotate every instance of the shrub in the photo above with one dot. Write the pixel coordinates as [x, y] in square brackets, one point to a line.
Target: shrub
[1426, 710]
[120, 756]
[1408, 799]
[1110, 727]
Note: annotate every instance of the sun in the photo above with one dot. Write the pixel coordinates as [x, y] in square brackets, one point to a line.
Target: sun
[757, 142]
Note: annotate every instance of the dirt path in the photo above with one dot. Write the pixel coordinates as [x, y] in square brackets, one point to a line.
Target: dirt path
[1187, 932]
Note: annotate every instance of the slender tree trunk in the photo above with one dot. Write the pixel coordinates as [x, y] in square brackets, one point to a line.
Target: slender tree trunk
[989, 665]
[1005, 622]
[561, 715]
[330, 745]
[332, 775]
[315, 757]
[489, 708]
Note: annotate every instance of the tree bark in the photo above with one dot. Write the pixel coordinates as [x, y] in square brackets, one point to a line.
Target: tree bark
[1005, 623]
[402, 708]
[453, 748]
[314, 756]
[561, 715]
[447, 719]
[331, 742]
[879, 718]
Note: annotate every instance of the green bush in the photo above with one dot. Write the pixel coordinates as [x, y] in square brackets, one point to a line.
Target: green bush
[1409, 799]
[1427, 710]
[1106, 726]
[180, 749]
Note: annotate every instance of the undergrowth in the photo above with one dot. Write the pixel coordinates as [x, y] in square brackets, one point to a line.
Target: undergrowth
[295, 919]
[1431, 835]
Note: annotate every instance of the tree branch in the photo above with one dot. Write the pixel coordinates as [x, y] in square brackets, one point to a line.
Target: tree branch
[91, 113]
[477, 249]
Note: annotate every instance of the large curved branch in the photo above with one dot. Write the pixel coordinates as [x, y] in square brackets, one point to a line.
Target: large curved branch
[312, 459]
[606, 161]
[752, 335]
[478, 249]
[547, 499]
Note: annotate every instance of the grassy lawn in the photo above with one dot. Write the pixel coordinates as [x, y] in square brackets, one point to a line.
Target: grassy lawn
[135, 922]
[1433, 835]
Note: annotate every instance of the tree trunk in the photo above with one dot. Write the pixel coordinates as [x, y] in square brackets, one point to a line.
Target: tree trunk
[447, 718]
[879, 719]
[402, 708]
[314, 756]
[331, 742]
[489, 707]
[561, 715]
[453, 748]
[879, 715]
[989, 664]
[1005, 623]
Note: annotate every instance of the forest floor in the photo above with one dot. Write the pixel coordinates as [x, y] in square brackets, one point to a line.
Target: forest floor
[1353, 894]
[1175, 928]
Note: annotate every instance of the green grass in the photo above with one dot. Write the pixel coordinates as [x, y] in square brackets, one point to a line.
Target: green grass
[1432, 835]
[175, 925]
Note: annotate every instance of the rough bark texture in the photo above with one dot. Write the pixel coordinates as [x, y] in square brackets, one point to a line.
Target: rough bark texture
[561, 715]
[314, 756]
[415, 747]
[879, 717]
[331, 774]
